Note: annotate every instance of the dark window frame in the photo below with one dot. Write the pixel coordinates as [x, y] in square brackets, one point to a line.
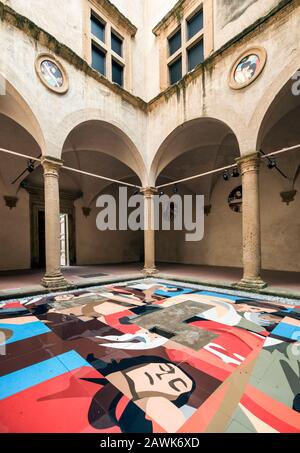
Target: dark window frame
[178, 31]
[99, 49]
[191, 48]
[120, 38]
[171, 64]
[190, 19]
[116, 62]
[95, 16]
[110, 45]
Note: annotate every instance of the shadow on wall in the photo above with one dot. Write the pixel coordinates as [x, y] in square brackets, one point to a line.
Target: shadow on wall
[230, 10]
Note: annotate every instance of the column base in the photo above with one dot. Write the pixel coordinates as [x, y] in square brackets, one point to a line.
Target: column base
[252, 284]
[55, 282]
[150, 271]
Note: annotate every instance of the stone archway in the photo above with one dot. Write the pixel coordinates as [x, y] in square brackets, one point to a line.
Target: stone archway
[21, 133]
[280, 225]
[102, 149]
[196, 147]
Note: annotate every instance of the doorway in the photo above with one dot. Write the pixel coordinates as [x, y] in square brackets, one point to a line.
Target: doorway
[41, 240]
[67, 229]
[64, 240]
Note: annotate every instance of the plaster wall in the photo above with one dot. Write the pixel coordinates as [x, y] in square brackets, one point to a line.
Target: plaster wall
[104, 247]
[62, 19]
[206, 92]
[65, 21]
[15, 234]
[86, 99]
[222, 242]
[280, 224]
[233, 16]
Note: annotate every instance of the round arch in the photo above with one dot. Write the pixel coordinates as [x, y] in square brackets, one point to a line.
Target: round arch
[14, 106]
[201, 134]
[107, 136]
[279, 128]
[265, 103]
[281, 114]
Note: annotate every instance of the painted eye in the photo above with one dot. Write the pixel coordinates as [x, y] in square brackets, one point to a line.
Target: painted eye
[166, 368]
[178, 385]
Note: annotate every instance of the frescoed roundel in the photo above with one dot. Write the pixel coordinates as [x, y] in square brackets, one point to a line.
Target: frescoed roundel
[235, 199]
[247, 67]
[51, 73]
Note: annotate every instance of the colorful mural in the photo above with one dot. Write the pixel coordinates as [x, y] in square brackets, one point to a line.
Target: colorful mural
[149, 357]
[247, 69]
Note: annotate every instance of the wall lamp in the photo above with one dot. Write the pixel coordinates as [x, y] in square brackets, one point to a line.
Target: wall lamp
[273, 164]
[235, 173]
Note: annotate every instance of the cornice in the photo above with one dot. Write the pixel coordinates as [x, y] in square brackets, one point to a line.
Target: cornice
[24, 24]
[209, 63]
[116, 14]
[176, 13]
[47, 40]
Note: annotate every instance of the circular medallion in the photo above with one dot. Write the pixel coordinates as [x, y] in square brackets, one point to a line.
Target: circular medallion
[235, 199]
[247, 68]
[52, 73]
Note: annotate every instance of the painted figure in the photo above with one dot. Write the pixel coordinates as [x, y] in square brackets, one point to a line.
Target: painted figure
[246, 69]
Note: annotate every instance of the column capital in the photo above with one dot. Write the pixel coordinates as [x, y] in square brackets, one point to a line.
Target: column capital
[249, 162]
[51, 165]
[148, 192]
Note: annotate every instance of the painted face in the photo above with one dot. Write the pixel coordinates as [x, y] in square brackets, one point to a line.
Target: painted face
[270, 318]
[159, 379]
[242, 308]
[247, 72]
[64, 297]
[262, 319]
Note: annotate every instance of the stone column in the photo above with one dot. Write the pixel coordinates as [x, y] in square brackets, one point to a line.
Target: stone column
[149, 231]
[249, 167]
[53, 278]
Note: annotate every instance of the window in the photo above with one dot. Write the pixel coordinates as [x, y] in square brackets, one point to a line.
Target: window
[107, 49]
[97, 28]
[117, 73]
[98, 59]
[116, 44]
[185, 39]
[175, 42]
[175, 71]
[190, 49]
[195, 55]
[195, 24]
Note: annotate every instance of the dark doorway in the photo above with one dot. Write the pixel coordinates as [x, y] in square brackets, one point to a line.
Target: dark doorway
[41, 236]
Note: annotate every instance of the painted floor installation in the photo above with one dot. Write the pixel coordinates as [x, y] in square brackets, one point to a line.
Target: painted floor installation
[149, 357]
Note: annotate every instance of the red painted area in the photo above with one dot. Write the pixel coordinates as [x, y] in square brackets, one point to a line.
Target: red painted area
[59, 405]
[270, 411]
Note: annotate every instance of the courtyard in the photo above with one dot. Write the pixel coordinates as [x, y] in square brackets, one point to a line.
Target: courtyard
[149, 219]
[149, 356]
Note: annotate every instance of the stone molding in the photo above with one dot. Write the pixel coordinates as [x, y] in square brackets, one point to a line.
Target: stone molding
[250, 162]
[47, 40]
[116, 15]
[51, 166]
[148, 192]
